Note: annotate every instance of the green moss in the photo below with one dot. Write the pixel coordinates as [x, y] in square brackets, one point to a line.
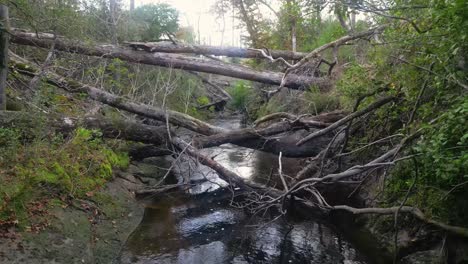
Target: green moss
[74, 166]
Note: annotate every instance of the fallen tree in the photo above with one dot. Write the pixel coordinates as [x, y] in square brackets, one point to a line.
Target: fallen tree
[169, 47]
[247, 138]
[44, 40]
[110, 128]
[261, 197]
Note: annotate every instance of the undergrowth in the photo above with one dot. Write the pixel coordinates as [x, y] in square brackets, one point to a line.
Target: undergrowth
[52, 166]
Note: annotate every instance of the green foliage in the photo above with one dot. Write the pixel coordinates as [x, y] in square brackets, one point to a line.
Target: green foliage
[442, 161]
[154, 21]
[241, 93]
[443, 149]
[319, 102]
[203, 100]
[330, 31]
[10, 141]
[355, 81]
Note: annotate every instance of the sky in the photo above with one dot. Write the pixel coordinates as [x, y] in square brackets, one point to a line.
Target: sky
[198, 14]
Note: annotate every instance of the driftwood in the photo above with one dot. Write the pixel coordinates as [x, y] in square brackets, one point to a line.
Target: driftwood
[44, 40]
[276, 197]
[346, 119]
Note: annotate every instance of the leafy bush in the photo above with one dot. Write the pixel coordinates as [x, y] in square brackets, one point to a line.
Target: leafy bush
[241, 93]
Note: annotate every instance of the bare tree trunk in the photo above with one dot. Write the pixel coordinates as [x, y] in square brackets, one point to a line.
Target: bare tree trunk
[5, 26]
[292, 23]
[293, 38]
[132, 5]
[340, 12]
[167, 47]
[113, 20]
[248, 23]
[172, 61]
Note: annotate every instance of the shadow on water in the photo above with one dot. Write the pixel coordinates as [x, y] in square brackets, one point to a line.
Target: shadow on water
[186, 228]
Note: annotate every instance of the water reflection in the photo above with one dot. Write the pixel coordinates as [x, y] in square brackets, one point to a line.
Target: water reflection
[209, 231]
[187, 229]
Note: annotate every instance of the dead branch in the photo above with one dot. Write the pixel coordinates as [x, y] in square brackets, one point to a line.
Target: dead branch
[318, 121]
[334, 44]
[461, 231]
[34, 81]
[348, 118]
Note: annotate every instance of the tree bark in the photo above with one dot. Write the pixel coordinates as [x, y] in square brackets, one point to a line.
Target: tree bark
[5, 25]
[44, 40]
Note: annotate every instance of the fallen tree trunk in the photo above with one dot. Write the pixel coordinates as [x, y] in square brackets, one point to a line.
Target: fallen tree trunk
[261, 138]
[176, 118]
[44, 40]
[110, 128]
[215, 89]
[169, 47]
[228, 176]
[245, 138]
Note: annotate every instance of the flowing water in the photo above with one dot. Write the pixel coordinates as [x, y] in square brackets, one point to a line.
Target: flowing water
[200, 226]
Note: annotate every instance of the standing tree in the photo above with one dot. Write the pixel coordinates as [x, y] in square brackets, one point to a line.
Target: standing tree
[155, 21]
[3, 54]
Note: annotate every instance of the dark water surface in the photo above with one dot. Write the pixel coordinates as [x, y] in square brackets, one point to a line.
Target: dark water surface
[186, 228]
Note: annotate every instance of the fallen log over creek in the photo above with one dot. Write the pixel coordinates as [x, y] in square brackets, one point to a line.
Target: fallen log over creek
[260, 197]
[251, 138]
[169, 47]
[44, 40]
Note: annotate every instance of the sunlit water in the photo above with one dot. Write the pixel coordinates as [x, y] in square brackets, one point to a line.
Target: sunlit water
[182, 228]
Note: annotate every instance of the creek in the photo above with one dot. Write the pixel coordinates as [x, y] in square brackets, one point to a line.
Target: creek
[201, 225]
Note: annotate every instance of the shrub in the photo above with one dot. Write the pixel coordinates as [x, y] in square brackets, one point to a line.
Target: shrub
[241, 93]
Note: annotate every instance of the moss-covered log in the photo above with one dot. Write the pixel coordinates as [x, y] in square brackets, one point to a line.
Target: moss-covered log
[110, 128]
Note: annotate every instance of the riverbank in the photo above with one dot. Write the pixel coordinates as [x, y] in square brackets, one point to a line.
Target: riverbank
[90, 230]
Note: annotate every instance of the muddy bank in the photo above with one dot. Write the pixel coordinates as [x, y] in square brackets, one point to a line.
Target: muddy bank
[88, 231]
